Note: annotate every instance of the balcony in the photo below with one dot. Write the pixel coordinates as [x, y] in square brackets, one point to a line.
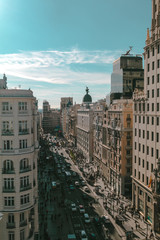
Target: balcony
[7, 132]
[23, 223]
[24, 131]
[8, 190]
[25, 188]
[10, 225]
[128, 119]
[26, 169]
[8, 171]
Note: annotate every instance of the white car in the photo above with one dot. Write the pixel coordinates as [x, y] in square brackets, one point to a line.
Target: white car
[83, 235]
[86, 218]
[73, 207]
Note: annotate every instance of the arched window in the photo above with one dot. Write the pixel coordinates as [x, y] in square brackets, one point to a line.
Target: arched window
[24, 164]
[8, 165]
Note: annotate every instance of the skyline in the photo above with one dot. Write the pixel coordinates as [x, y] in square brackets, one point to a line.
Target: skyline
[58, 48]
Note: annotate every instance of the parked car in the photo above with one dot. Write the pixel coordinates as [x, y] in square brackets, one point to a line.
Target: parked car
[77, 183]
[86, 218]
[83, 183]
[71, 187]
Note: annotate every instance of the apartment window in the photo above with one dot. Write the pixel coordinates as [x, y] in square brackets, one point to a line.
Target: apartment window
[8, 201]
[22, 106]
[135, 159]
[152, 120]
[152, 93]
[24, 163]
[11, 236]
[158, 49]
[22, 126]
[24, 181]
[152, 107]
[157, 138]
[5, 106]
[152, 65]
[139, 119]
[147, 165]
[147, 150]
[147, 93]
[147, 180]
[11, 218]
[140, 107]
[147, 135]
[152, 136]
[158, 78]
[23, 143]
[139, 175]
[157, 153]
[135, 145]
[139, 147]
[22, 235]
[157, 121]
[135, 172]
[22, 217]
[9, 183]
[8, 165]
[147, 106]
[152, 152]
[158, 63]
[157, 92]
[139, 132]
[144, 107]
[143, 119]
[7, 144]
[135, 107]
[143, 163]
[143, 148]
[151, 167]
[148, 66]
[143, 133]
[142, 177]
[24, 199]
[135, 118]
[152, 79]
[139, 162]
[157, 107]
[147, 80]
[135, 131]
[153, 51]
[148, 53]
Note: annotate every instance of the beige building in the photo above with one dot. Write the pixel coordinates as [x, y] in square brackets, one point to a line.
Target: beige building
[18, 164]
[146, 163]
[85, 128]
[73, 124]
[117, 150]
[98, 111]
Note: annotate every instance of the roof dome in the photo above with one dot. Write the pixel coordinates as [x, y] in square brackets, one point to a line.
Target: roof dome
[87, 98]
[69, 103]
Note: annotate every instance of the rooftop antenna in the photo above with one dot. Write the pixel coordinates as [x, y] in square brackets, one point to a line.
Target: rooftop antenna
[128, 52]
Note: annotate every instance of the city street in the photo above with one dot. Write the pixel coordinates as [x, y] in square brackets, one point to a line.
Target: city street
[60, 207]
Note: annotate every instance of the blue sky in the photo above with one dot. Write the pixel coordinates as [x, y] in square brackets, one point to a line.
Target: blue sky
[58, 47]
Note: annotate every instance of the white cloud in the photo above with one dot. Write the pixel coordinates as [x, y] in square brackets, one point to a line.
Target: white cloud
[55, 66]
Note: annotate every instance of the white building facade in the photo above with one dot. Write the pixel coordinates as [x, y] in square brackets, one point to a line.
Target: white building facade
[18, 165]
[146, 137]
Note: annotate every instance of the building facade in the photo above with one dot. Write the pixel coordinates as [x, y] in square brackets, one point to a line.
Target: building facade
[85, 128]
[18, 164]
[117, 145]
[146, 164]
